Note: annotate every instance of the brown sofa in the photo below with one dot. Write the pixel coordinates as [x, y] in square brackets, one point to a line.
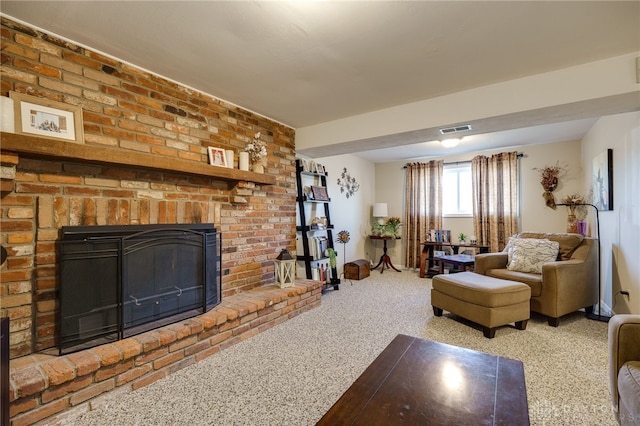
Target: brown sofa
[565, 285]
[624, 367]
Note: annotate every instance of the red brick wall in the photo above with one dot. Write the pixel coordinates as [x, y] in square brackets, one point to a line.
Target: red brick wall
[129, 109]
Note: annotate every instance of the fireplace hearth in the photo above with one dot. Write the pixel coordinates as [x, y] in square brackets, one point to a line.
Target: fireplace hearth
[118, 281]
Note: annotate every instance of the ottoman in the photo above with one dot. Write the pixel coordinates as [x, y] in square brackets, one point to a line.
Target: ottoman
[490, 302]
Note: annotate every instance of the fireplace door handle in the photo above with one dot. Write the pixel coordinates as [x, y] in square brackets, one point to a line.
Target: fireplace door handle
[135, 299]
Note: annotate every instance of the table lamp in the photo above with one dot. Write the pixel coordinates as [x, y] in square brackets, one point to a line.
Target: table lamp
[380, 211]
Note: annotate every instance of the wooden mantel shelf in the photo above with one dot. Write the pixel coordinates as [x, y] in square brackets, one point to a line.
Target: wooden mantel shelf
[38, 147]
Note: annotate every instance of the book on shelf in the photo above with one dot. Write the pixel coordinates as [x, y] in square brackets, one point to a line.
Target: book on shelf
[317, 247]
[439, 235]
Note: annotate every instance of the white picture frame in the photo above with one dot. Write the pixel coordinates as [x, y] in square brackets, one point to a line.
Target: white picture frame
[217, 156]
[46, 118]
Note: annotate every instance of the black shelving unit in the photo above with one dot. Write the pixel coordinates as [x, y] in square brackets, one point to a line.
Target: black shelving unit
[305, 228]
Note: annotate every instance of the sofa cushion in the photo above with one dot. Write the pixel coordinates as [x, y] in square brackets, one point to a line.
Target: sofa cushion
[529, 254]
[481, 290]
[629, 391]
[568, 242]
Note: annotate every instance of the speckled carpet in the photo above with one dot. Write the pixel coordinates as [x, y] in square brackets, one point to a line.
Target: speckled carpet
[293, 373]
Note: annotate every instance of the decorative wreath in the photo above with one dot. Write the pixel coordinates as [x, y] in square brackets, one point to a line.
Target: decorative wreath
[343, 237]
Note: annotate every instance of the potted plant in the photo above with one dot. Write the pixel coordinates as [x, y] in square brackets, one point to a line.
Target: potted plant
[577, 212]
[332, 263]
[376, 229]
[391, 228]
[462, 238]
[257, 153]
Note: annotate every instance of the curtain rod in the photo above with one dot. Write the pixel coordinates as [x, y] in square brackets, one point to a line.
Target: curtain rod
[520, 155]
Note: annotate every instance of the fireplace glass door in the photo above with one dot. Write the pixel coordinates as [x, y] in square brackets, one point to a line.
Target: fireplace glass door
[120, 281]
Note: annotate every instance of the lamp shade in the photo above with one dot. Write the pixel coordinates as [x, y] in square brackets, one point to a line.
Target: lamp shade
[380, 210]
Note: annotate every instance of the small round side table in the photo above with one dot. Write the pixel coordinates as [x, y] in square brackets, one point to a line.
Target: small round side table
[385, 260]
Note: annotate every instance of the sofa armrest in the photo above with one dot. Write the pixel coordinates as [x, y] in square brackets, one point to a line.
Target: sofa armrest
[574, 282]
[487, 261]
[624, 346]
[567, 271]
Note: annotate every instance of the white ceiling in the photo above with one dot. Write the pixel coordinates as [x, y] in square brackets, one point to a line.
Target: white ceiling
[309, 62]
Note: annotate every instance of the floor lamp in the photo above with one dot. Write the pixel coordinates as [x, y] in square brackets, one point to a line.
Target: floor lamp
[593, 316]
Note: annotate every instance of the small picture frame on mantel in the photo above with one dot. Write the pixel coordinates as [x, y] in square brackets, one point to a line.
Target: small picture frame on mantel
[50, 119]
[217, 156]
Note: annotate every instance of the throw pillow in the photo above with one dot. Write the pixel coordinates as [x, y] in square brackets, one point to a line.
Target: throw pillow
[568, 242]
[529, 254]
[509, 247]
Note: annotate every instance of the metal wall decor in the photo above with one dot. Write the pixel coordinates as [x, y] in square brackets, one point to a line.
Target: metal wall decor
[348, 184]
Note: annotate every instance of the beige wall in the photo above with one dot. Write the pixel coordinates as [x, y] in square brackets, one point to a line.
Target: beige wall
[534, 215]
[619, 228]
[350, 214]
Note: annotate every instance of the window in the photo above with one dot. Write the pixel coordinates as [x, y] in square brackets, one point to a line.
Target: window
[456, 187]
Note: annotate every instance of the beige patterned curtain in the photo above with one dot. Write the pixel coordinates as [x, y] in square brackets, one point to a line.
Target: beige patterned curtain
[495, 198]
[423, 210]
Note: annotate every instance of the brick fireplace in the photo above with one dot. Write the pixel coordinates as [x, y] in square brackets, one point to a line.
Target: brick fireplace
[143, 160]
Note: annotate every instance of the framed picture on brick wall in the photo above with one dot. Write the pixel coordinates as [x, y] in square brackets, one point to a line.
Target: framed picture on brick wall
[42, 117]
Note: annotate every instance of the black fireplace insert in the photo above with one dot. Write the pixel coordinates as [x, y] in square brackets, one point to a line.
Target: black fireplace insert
[118, 281]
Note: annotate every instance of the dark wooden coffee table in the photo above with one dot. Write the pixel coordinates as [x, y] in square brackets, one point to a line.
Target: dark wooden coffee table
[420, 382]
[462, 261]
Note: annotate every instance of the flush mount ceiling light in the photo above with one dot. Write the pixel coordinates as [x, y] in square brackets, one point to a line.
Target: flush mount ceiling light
[450, 143]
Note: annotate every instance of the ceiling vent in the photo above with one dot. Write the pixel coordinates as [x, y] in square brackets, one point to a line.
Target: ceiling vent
[456, 129]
